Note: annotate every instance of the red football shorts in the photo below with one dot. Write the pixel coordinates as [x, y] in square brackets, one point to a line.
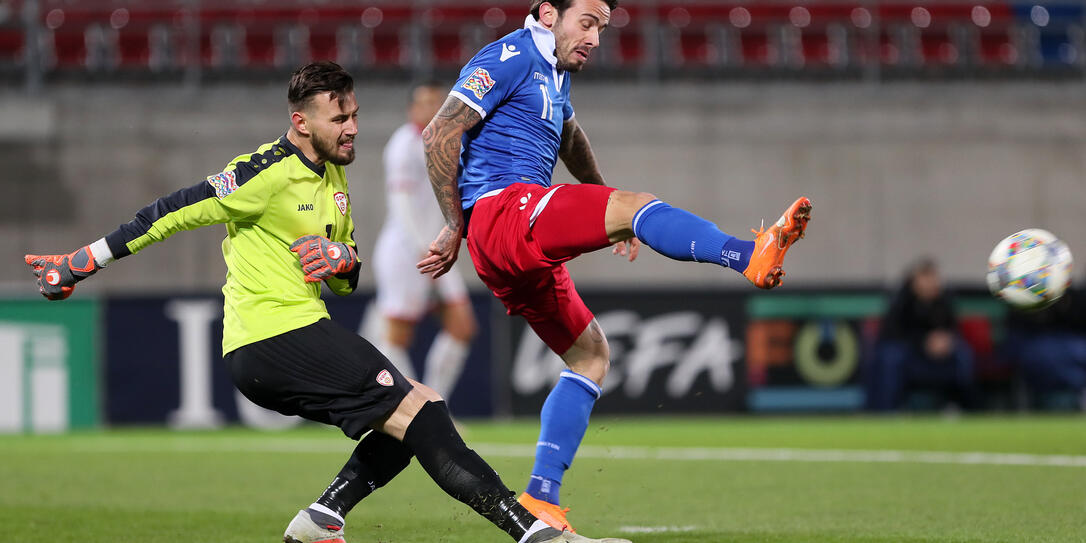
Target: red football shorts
[520, 239]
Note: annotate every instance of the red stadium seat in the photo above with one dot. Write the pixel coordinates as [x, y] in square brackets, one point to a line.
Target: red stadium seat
[12, 42]
[695, 47]
[135, 49]
[69, 48]
[705, 35]
[977, 332]
[387, 40]
[758, 49]
[260, 46]
[997, 48]
[937, 47]
[323, 44]
[387, 47]
[816, 48]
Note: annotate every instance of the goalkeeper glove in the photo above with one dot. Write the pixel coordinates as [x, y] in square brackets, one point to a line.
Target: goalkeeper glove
[322, 258]
[58, 274]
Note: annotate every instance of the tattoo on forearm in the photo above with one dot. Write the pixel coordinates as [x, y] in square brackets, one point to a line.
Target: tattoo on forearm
[577, 155]
[441, 138]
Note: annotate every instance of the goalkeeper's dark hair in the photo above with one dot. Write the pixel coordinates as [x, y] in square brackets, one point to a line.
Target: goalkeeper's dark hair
[316, 78]
[563, 5]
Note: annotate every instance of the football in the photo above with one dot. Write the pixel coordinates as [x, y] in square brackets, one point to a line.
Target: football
[1029, 269]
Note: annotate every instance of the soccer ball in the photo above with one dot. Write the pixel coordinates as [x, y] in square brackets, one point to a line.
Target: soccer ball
[1029, 269]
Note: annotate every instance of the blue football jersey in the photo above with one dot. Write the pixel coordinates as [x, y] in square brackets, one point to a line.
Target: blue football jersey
[523, 98]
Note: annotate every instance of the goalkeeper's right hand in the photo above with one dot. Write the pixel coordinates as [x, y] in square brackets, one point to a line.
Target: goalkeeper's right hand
[58, 274]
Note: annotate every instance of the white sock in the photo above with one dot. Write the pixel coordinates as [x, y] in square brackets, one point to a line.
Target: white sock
[318, 507]
[536, 526]
[444, 363]
[399, 358]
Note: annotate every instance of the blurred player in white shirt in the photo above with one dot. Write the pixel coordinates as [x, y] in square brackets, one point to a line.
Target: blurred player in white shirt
[414, 219]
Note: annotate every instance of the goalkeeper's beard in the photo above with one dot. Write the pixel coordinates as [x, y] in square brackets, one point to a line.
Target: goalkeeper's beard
[329, 151]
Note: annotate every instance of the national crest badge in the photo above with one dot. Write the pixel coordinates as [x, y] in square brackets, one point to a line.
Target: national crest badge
[479, 83]
[385, 378]
[341, 202]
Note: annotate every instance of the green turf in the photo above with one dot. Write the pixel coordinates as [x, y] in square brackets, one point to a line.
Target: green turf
[150, 486]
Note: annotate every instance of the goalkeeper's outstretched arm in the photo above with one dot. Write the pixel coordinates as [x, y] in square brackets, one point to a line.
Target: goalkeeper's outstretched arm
[221, 198]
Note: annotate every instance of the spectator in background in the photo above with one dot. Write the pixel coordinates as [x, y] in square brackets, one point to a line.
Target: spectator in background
[919, 347]
[1049, 347]
[404, 296]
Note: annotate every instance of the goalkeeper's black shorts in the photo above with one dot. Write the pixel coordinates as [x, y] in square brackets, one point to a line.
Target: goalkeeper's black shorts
[322, 372]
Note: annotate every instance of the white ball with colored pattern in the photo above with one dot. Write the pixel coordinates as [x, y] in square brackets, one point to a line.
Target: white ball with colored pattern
[1030, 269]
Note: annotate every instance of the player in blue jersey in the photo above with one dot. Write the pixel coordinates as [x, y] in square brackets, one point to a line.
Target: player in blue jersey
[491, 150]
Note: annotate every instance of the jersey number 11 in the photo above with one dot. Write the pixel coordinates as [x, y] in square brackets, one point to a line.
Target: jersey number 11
[548, 105]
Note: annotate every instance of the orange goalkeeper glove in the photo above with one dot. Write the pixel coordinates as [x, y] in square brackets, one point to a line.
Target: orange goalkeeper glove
[58, 274]
[322, 258]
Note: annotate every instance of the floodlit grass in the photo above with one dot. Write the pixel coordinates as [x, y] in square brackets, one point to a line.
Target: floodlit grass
[238, 485]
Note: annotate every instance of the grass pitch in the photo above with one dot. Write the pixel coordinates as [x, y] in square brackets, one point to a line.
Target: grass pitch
[655, 480]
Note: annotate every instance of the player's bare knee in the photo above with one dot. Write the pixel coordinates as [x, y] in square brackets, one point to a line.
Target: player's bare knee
[590, 354]
[423, 393]
[641, 199]
[631, 201]
[602, 365]
[595, 368]
[397, 422]
[621, 208]
[594, 363]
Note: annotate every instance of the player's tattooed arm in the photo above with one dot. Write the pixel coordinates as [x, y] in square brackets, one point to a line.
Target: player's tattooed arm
[577, 155]
[441, 139]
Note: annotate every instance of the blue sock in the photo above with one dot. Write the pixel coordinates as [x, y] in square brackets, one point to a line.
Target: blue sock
[679, 234]
[563, 421]
[542, 488]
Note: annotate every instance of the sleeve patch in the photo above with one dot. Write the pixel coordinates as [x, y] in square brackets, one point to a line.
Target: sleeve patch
[224, 183]
[479, 82]
[342, 201]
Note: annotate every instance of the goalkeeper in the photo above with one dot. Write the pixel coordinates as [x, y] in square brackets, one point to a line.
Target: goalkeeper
[288, 221]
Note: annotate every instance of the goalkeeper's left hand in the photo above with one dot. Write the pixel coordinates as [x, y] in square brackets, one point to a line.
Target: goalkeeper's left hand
[322, 258]
[58, 274]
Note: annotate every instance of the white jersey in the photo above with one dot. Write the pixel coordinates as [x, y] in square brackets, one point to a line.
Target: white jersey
[412, 207]
[413, 221]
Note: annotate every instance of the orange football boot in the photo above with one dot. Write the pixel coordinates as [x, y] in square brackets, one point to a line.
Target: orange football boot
[553, 515]
[771, 244]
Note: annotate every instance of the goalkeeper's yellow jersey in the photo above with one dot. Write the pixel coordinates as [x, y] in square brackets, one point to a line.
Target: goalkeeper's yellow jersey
[268, 199]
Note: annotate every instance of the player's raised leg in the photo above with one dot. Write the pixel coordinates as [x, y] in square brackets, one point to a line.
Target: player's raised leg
[681, 235]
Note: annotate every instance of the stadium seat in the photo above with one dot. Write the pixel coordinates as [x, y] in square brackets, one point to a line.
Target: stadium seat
[135, 47]
[455, 32]
[920, 38]
[12, 42]
[324, 41]
[757, 48]
[69, 49]
[938, 47]
[259, 47]
[997, 48]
